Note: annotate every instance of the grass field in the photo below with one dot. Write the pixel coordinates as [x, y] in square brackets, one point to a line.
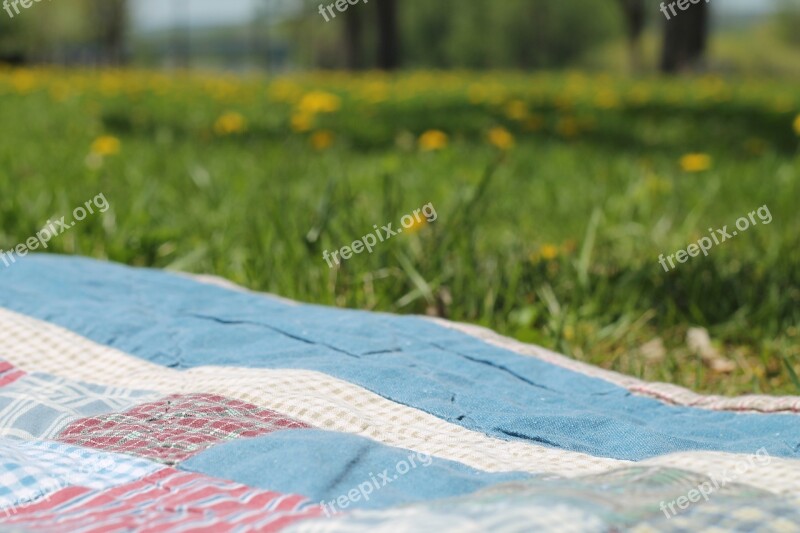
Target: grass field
[555, 195]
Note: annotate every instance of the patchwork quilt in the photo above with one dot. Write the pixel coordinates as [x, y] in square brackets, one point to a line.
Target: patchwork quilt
[140, 400]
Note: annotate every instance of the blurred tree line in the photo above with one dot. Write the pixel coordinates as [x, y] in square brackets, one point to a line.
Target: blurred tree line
[383, 34]
[77, 31]
[789, 20]
[387, 34]
[528, 34]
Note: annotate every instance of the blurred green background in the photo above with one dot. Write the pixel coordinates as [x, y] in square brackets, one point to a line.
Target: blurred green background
[564, 145]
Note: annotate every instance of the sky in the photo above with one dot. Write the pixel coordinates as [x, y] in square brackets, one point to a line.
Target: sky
[157, 14]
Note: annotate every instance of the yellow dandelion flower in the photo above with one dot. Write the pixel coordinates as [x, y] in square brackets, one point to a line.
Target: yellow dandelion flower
[302, 122]
[105, 145]
[501, 138]
[606, 100]
[375, 92]
[568, 127]
[534, 123]
[59, 92]
[230, 122]
[319, 102]
[797, 125]
[695, 162]
[433, 140]
[416, 225]
[516, 110]
[548, 251]
[285, 91]
[110, 84]
[321, 139]
[563, 101]
[476, 94]
[23, 81]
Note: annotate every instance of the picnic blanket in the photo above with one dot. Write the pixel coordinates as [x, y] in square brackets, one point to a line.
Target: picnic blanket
[141, 400]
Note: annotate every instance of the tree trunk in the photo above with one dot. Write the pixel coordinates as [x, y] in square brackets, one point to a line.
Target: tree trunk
[634, 12]
[111, 16]
[685, 38]
[353, 40]
[388, 40]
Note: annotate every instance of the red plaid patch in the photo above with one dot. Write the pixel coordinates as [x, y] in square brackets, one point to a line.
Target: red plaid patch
[176, 427]
[9, 374]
